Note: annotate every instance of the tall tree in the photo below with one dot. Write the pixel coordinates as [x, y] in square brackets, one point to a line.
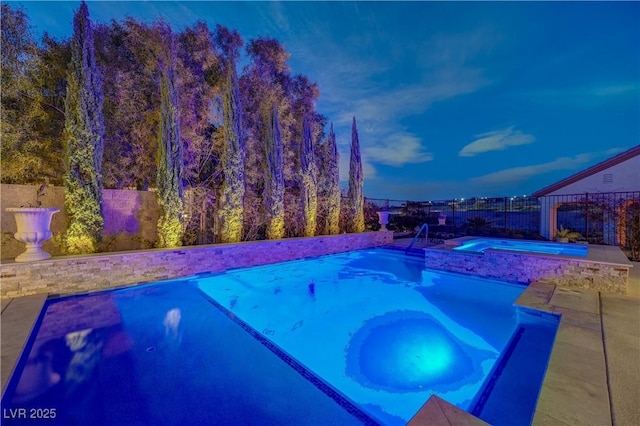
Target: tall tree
[169, 160]
[333, 194]
[32, 102]
[355, 195]
[308, 181]
[201, 77]
[263, 85]
[84, 134]
[128, 53]
[274, 178]
[20, 159]
[231, 199]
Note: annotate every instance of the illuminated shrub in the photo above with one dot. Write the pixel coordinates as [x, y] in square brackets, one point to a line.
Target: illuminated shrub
[308, 184]
[170, 167]
[84, 139]
[274, 182]
[355, 197]
[231, 209]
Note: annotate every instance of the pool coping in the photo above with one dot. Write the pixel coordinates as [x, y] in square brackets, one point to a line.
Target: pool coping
[17, 320]
[575, 387]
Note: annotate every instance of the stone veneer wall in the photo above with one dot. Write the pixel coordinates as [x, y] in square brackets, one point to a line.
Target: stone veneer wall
[525, 268]
[71, 274]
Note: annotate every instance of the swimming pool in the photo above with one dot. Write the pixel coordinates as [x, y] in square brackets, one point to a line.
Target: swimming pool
[479, 245]
[159, 354]
[357, 338]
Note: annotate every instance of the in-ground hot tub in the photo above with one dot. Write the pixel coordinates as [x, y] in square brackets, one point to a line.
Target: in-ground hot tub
[479, 245]
[598, 267]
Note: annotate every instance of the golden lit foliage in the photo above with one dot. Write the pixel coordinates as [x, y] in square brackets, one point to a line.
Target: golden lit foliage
[84, 136]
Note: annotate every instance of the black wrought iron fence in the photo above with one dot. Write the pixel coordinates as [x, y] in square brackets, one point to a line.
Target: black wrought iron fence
[601, 218]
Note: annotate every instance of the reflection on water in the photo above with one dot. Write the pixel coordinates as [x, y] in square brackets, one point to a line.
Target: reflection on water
[172, 326]
[86, 347]
[80, 352]
[43, 371]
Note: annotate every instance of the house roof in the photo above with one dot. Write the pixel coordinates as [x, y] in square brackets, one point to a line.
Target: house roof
[623, 156]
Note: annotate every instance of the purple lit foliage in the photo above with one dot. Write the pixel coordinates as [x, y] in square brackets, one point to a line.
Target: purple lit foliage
[84, 134]
[231, 194]
[355, 195]
[308, 181]
[274, 179]
[170, 168]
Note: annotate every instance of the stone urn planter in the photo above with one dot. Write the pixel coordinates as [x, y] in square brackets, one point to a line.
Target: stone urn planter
[442, 220]
[33, 225]
[383, 218]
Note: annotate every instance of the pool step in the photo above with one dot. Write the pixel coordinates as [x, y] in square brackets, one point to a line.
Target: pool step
[512, 393]
[413, 251]
[416, 252]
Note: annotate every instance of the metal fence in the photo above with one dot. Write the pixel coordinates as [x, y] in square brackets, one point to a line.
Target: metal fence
[601, 218]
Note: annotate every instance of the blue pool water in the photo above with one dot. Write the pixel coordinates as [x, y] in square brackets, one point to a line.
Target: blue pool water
[158, 355]
[479, 245]
[363, 337]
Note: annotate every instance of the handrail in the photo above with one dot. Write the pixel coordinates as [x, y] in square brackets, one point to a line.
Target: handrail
[426, 236]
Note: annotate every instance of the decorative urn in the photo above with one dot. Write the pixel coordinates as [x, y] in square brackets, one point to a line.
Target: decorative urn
[383, 218]
[33, 229]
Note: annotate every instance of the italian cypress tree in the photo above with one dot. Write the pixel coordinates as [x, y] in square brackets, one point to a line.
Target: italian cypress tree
[84, 140]
[333, 187]
[169, 158]
[231, 203]
[356, 198]
[308, 178]
[274, 182]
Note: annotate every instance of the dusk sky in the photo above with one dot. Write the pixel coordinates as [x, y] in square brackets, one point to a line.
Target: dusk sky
[452, 99]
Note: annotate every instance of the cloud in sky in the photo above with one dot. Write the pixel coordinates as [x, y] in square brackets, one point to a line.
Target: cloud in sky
[499, 183]
[396, 150]
[517, 175]
[590, 95]
[358, 85]
[497, 140]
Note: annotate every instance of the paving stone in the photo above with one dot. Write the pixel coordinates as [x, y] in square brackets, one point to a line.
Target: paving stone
[576, 299]
[17, 321]
[579, 318]
[457, 416]
[578, 363]
[574, 402]
[542, 419]
[580, 337]
[429, 414]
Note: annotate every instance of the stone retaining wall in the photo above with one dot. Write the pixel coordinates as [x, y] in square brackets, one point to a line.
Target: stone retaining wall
[130, 218]
[72, 274]
[526, 268]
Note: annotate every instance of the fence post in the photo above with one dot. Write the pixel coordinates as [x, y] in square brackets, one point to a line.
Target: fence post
[586, 215]
[505, 213]
[453, 214]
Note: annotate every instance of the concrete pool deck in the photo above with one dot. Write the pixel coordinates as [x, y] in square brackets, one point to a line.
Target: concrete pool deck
[593, 375]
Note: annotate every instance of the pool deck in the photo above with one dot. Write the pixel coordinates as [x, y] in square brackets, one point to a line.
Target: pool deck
[593, 376]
